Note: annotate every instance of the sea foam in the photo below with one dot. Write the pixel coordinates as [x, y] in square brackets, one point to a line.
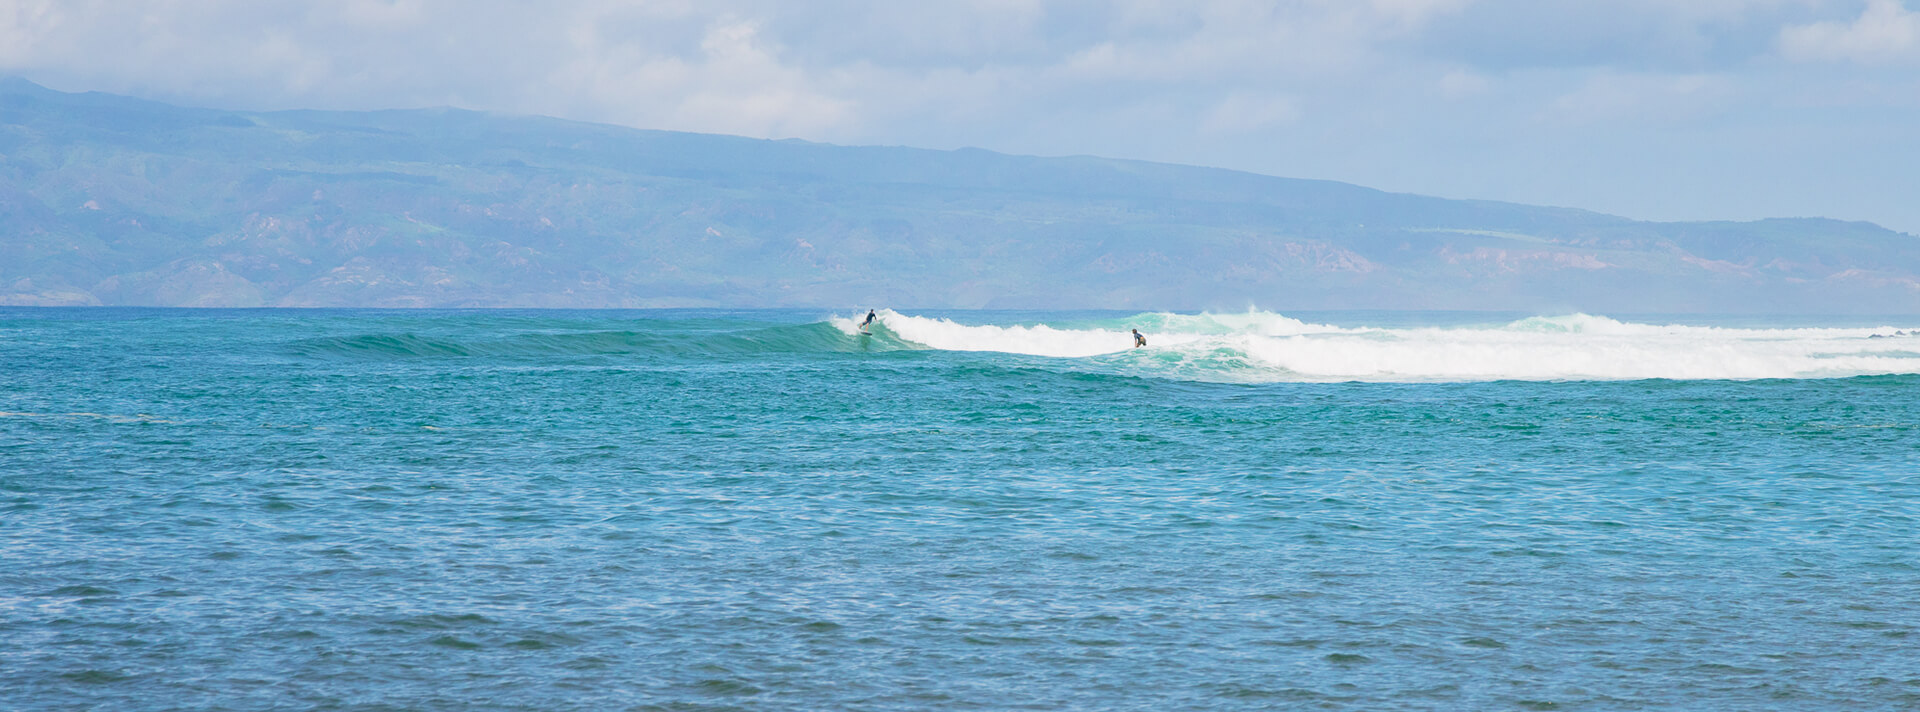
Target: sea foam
[1260, 346]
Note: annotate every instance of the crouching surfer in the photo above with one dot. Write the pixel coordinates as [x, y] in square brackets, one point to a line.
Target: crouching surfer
[1139, 339]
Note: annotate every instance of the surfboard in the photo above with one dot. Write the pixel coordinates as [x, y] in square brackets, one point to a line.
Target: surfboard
[866, 333]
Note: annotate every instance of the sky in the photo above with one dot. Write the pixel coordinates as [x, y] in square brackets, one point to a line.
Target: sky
[1650, 109]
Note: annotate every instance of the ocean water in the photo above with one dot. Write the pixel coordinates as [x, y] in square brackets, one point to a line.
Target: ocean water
[715, 510]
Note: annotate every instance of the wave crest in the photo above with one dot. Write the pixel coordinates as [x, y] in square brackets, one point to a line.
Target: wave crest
[1261, 346]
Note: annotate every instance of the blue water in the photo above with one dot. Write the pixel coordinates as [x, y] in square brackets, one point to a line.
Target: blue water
[440, 510]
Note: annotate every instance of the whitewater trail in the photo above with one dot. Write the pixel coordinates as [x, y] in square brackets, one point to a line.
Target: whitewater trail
[1033, 340]
[1259, 346]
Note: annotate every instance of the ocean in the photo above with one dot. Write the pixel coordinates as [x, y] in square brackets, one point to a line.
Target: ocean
[767, 510]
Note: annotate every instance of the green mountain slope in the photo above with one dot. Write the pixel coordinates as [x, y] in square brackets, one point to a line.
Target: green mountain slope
[112, 200]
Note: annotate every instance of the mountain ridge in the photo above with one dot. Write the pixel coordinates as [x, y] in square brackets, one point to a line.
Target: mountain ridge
[114, 200]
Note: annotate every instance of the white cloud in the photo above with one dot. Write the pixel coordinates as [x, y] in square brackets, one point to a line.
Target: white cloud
[793, 70]
[1235, 40]
[1886, 32]
[385, 14]
[1410, 13]
[22, 24]
[736, 84]
[1461, 83]
[1244, 112]
[1612, 96]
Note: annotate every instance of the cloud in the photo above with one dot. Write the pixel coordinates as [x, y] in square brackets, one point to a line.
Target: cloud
[1461, 83]
[1228, 41]
[21, 25]
[1243, 113]
[1611, 96]
[1886, 32]
[1628, 35]
[736, 82]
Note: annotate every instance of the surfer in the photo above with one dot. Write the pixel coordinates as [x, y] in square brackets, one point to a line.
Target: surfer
[1139, 339]
[869, 322]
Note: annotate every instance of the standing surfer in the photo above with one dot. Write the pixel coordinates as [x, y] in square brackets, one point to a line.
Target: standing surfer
[869, 322]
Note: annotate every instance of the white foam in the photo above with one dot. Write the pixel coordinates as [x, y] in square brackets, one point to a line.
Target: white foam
[1035, 340]
[1264, 346]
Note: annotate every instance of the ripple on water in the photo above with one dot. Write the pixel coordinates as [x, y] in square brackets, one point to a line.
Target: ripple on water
[925, 530]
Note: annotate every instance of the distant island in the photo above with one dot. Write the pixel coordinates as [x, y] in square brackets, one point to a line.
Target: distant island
[111, 200]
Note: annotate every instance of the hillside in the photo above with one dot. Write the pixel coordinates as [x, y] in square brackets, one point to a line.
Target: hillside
[119, 201]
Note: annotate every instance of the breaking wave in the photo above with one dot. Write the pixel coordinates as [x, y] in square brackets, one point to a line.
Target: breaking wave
[1260, 346]
[1252, 346]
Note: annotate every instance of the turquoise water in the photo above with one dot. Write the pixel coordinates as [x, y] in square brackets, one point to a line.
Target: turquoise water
[689, 510]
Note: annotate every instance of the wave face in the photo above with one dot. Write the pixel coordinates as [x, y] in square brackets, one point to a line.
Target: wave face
[641, 337]
[1260, 346]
